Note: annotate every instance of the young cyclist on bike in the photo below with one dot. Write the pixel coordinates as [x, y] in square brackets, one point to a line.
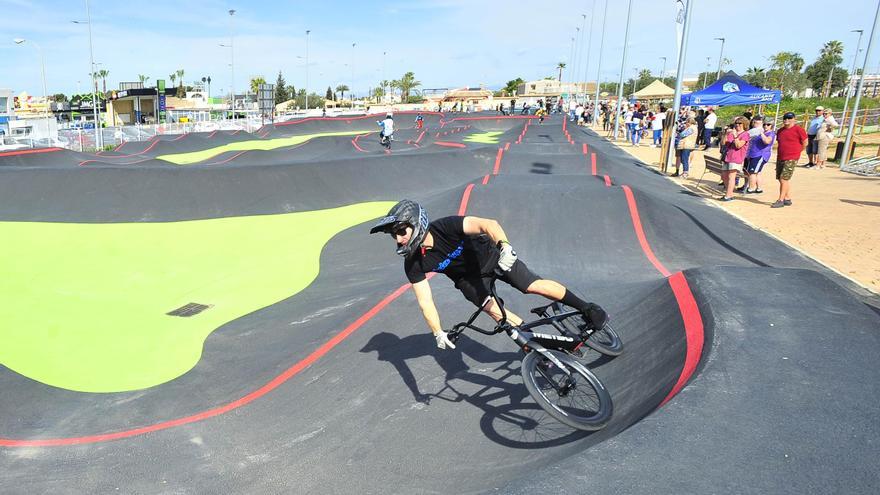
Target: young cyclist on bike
[467, 249]
[387, 132]
[419, 121]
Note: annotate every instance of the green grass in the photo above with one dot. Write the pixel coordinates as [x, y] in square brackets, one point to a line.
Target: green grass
[84, 305]
[256, 144]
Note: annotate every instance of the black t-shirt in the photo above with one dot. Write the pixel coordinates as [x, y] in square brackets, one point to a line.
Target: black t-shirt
[455, 254]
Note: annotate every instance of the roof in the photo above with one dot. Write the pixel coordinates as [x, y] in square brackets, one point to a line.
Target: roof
[655, 90]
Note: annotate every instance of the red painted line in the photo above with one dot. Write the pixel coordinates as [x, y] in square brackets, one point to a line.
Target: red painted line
[212, 134]
[693, 329]
[437, 135]
[30, 151]
[486, 179]
[585, 150]
[120, 146]
[180, 137]
[233, 157]
[420, 137]
[593, 163]
[640, 234]
[498, 161]
[450, 145]
[607, 181]
[148, 148]
[464, 199]
[507, 146]
[355, 140]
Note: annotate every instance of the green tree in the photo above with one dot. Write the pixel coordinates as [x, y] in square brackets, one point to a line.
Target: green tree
[785, 71]
[406, 84]
[281, 94]
[829, 59]
[291, 91]
[181, 92]
[173, 78]
[756, 76]
[143, 79]
[59, 98]
[341, 89]
[255, 83]
[329, 95]
[512, 85]
[559, 67]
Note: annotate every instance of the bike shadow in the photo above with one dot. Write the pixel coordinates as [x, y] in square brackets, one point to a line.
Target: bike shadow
[510, 416]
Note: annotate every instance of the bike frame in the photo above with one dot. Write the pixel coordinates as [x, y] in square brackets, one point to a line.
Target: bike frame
[527, 340]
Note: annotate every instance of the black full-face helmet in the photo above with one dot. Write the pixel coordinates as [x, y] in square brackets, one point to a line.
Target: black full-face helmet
[405, 213]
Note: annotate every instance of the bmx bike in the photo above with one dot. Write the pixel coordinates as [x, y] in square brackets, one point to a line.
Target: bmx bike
[561, 385]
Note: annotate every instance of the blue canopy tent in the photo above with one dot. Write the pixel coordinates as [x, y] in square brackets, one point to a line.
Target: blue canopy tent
[731, 90]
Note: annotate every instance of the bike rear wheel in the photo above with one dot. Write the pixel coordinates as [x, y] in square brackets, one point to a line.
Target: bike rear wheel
[605, 341]
[579, 400]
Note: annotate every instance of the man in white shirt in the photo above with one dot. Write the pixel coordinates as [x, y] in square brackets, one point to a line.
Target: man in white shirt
[710, 121]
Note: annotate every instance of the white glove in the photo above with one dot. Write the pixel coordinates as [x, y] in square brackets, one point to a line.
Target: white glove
[443, 340]
[507, 257]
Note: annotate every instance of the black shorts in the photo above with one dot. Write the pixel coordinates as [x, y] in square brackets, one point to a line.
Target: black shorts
[812, 145]
[476, 290]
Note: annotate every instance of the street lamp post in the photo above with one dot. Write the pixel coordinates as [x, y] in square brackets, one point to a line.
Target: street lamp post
[663, 71]
[852, 122]
[351, 89]
[308, 31]
[88, 22]
[635, 77]
[19, 41]
[599, 68]
[851, 74]
[232, 64]
[720, 58]
[616, 115]
[589, 47]
[707, 71]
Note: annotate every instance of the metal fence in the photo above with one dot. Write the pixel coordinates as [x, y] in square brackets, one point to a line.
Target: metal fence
[84, 139]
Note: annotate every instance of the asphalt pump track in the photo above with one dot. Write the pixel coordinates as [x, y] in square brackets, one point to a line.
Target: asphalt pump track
[749, 367]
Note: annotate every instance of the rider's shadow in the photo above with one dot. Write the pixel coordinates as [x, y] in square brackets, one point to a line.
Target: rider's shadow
[503, 422]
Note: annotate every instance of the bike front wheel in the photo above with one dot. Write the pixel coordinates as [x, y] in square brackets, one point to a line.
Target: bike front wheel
[577, 398]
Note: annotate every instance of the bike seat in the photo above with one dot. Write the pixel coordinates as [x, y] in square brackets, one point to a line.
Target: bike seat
[541, 310]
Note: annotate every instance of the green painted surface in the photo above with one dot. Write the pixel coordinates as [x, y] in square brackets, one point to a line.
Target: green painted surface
[256, 144]
[84, 305]
[490, 137]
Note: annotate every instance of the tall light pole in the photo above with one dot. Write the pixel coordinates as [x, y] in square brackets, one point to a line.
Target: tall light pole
[19, 41]
[98, 137]
[589, 48]
[384, 89]
[599, 68]
[679, 74]
[232, 64]
[851, 74]
[852, 122]
[577, 57]
[622, 65]
[663, 71]
[720, 58]
[308, 31]
[635, 77]
[707, 71]
[571, 57]
[351, 89]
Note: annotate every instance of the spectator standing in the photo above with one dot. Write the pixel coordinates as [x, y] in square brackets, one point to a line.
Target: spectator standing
[737, 140]
[701, 125]
[829, 119]
[823, 139]
[512, 105]
[627, 121]
[637, 120]
[792, 140]
[813, 128]
[709, 122]
[685, 142]
[657, 127]
[761, 138]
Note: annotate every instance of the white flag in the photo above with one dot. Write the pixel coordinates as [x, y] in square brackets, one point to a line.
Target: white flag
[679, 25]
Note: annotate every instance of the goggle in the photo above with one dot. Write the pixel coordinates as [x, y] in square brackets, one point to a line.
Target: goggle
[398, 230]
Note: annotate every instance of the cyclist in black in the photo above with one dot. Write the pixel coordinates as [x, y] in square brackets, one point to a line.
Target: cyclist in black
[467, 249]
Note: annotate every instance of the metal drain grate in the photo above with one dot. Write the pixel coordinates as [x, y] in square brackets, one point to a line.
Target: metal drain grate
[188, 310]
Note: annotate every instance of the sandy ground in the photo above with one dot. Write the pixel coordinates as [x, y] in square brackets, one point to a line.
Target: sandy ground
[834, 218]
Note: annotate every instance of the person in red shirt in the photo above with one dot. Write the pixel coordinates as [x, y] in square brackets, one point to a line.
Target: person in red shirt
[792, 140]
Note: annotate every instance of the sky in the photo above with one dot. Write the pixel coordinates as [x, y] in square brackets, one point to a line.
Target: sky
[446, 43]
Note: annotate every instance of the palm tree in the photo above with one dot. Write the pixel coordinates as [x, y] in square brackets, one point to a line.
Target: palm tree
[384, 83]
[256, 82]
[394, 84]
[172, 77]
[342, 88]
[786, 62]
[406, 84]
[143, 79]
[560, 66]
[754, 75]
[833, 50]
[103, 73]
[180, 89]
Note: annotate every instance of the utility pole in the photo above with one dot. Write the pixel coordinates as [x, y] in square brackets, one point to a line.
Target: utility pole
[852, 122]
[599, 68]
[851, 74]
[616, 115]
[307, 71]
[679, 74]
[720, 58]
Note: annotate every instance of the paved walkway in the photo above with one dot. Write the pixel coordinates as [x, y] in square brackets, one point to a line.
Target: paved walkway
[835, 217]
